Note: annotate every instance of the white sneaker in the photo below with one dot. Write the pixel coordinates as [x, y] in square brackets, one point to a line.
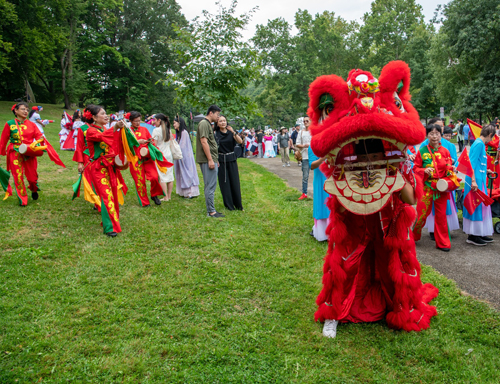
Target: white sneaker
[283, 165]
[287, 164]
[330, 328]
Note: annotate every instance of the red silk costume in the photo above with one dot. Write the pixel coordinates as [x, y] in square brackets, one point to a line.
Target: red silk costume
[101, 145]
[145, 169]
[439, 159]
[371, 270]
[15, 133]
[82, 155]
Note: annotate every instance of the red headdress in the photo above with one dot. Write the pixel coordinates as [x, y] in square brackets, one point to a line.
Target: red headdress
[127, 115]
[13, 107]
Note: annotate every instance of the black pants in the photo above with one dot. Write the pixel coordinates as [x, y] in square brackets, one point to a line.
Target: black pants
[460, 145]
[229, 184]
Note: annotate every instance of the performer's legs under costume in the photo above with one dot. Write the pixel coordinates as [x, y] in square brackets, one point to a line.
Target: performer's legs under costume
[21, 166]
[139, 176]
[142, 171]
[153, 177]
[371, 277]
[105, 183]
[424, 207]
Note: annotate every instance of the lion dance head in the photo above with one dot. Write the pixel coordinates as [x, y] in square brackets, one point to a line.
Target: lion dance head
[363, 126]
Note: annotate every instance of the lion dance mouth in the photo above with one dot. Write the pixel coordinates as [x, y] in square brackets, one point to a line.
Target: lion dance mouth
[363, 127]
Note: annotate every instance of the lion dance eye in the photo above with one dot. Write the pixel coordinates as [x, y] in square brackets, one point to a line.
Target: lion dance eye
[398, 102]
[326, 105]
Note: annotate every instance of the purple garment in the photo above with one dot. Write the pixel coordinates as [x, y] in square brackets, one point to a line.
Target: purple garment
[185, 169]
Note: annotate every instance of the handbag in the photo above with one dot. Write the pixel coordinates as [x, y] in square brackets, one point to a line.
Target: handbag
[175, 148]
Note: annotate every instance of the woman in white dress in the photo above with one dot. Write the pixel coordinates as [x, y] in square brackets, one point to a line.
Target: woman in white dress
[268, 145]
[35, 118]
[163, 140]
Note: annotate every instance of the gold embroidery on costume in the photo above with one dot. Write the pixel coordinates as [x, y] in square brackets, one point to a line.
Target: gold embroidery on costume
[110, 205]
[140, 179]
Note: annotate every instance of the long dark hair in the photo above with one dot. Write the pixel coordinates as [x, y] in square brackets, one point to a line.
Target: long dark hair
[182, 126]
[31, 112]
[94, 110]
[76, 115]
[165, 126]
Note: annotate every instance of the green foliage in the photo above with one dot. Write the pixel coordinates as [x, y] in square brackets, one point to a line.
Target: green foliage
[126, 49]
[466, 57]
[114, 51]
[217, 64]
[387, 29]
[8, 20]
[275, 104]
[324, 44]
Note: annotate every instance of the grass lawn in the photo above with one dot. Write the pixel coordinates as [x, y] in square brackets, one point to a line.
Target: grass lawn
[179, 297]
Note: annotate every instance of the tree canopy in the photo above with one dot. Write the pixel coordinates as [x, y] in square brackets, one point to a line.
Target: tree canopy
[145, 55]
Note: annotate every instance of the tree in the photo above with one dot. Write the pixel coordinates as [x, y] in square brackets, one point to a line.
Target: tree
[466, 57]
[324, 44]
[423, 86]
[125, 48]
[387, 29]
[8, 20]
[217, 63]
[275, 104]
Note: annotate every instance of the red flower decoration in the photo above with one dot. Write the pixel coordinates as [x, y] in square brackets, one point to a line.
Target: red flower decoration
[13, 107]
[34, 108]
[87, 114]
[127, 115]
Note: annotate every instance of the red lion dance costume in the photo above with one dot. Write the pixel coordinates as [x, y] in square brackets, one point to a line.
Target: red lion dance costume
[371, 271]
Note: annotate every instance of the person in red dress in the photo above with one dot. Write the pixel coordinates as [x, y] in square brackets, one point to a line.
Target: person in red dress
[103, 148]
[433, 162]
[145, 168]
[18, 132]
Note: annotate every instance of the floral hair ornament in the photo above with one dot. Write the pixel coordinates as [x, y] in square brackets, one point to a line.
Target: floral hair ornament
[127, 115]
[13, 107]
[87, 114]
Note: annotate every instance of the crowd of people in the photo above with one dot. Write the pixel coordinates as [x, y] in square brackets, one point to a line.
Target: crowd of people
[103, 148]
[105, 145]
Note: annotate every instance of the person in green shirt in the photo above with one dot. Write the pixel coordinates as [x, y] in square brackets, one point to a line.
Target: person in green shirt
[207, 155]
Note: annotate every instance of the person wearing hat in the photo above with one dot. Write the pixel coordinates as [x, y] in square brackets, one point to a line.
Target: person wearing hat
[36, 119]
[284, 143]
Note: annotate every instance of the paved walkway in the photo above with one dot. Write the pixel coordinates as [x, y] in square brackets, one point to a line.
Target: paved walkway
[475, 269]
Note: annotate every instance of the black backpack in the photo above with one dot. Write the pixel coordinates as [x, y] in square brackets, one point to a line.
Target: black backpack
[461, 128]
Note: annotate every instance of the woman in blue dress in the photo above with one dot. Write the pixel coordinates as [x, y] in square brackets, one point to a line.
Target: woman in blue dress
[478, 224]
[321, 213]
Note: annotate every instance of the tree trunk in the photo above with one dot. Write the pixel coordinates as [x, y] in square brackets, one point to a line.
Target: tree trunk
[64, 66]
[122, 104]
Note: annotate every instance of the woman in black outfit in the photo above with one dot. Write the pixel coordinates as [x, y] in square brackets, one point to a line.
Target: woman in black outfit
[229, 178]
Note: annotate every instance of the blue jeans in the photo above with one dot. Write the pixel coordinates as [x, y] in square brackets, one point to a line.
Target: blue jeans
[305, 175]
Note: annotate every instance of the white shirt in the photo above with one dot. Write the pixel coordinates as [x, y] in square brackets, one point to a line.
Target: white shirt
[34, 119]
[304, 138]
